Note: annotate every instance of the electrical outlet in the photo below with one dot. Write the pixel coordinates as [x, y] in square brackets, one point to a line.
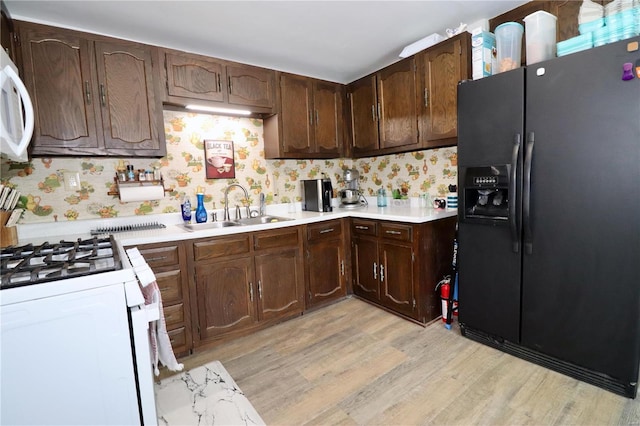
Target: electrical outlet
[71, 181]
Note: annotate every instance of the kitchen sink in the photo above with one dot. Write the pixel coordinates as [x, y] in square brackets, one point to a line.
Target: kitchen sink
[259, 220]
[208, 225]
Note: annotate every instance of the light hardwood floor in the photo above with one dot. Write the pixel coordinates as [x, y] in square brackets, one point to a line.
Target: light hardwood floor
[354, 364]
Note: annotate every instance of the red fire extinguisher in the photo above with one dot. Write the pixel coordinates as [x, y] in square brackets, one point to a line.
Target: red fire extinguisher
[445, 289]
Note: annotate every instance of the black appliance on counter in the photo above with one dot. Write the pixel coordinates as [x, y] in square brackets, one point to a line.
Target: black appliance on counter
[316, 195]
[549, 214]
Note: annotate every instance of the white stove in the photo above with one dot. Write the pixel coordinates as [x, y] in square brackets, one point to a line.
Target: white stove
[74, 332]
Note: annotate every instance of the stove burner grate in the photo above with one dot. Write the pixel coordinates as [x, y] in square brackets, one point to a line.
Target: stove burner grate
[29, 264]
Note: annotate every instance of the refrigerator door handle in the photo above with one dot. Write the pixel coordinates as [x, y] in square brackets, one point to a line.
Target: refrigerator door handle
[526, 195]
[513, 195]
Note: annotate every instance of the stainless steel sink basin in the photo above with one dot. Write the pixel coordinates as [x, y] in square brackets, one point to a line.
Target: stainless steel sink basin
[259, 220]
[191, 227]
[208, 225]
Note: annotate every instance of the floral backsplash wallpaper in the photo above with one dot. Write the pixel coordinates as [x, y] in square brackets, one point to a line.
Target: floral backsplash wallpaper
[45, 199]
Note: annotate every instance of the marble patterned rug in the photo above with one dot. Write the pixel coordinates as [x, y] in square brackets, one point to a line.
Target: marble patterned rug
[205, 395]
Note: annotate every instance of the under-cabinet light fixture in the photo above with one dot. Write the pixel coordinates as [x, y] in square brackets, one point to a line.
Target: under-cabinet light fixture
[220, 110]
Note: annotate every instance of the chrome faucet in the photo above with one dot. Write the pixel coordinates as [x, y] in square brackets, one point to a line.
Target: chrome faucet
[226, 200]
[262, 202]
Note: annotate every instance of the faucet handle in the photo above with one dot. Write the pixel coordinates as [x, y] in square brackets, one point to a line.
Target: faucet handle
[238, 217]
[214, 217]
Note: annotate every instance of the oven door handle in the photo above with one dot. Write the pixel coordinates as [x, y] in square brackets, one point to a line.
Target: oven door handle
[140, 320]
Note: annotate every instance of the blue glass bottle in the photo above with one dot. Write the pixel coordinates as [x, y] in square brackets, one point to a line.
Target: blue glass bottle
[201, 213]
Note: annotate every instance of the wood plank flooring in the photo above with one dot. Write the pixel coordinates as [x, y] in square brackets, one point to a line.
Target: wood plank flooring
[354, 364]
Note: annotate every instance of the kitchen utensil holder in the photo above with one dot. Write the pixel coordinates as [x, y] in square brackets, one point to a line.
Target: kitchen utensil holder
[8, 234]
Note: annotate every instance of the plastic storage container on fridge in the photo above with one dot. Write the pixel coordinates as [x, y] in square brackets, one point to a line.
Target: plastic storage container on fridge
[540, 36]
[509, 45]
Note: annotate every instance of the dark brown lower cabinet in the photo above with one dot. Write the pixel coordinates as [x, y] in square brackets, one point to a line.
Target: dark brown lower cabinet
[245, 282]
[326, 267]
[168, 261]
[397, 265]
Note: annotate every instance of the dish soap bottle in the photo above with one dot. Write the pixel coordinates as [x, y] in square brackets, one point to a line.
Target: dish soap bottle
[201, 213]
[186, 209]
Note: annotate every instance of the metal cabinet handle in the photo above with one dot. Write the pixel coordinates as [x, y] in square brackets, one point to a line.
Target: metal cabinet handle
[311, 118]
[87, 92]
[251, 291]
[375, 271]
[426, 97]
[324, 231]
[317, 118]
[229, 84]
[260, 289]
[362, 227]
[342, 267]
[382, 273]
[393, 232]
[219, 84]
[103, 96]
[379, 115]
[373, 112]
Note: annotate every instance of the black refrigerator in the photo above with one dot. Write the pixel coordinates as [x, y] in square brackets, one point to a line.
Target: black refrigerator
[549, 214]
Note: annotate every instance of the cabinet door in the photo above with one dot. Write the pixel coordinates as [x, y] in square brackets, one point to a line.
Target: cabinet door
[194, 77]
[327, 102]
[296, 95]
[441, 68]
[325, 262]
[364, 115]
[251, 86]
[279, 279]
[225, 297]
[169, 264]
[397, 278]
[397, 112]
[366, 268]
[7, 30]
[131, 118]
[60, 75]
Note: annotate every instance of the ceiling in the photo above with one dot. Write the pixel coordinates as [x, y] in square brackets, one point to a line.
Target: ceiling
[332, 40]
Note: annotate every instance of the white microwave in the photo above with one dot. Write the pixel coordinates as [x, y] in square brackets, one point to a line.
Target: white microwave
[16, 112]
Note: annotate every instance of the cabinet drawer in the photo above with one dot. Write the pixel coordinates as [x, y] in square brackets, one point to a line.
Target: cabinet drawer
[160, 256]
[324, 230]
[396, 231]
[170, 285]
[280, 238]
[174, 315]
[178, 338]
[364, 227]
[220, 247]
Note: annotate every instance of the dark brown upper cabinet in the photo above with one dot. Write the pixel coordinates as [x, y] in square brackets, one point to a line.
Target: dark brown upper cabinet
[441, 68]
[309, 122]
[92, 95]
[383, 110]
[197, 79]
[6, 32]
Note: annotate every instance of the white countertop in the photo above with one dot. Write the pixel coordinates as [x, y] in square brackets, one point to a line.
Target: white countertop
[174, 231]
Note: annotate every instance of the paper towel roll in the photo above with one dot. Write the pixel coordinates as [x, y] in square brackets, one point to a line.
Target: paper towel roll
[141, 193]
